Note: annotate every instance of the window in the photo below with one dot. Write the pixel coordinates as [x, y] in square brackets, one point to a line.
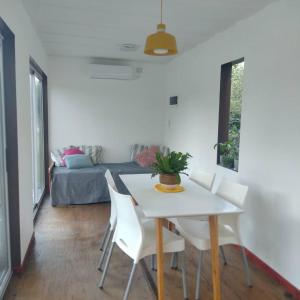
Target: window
[231, 90]
[37, 127]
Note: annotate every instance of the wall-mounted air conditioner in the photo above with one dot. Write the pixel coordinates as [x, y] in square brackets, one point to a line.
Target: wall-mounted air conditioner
[119, 72]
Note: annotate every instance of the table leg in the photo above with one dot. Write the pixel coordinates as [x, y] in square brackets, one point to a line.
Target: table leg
[214, 240]
[160, 258]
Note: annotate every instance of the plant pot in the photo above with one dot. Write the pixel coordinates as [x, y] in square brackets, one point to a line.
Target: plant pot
[228, 162]
[169, 181]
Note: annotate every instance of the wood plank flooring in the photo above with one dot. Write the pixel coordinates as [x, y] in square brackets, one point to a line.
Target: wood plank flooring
[63, 265]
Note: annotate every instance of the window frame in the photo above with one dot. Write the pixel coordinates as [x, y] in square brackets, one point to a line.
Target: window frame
[224, 104]
[37, 70]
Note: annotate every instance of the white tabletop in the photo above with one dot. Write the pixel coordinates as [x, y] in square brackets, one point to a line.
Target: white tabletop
[194, 201]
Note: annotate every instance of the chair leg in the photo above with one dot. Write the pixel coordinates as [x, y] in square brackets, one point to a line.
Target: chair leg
[129, 281]
[246, 267]
[101, 283]
[183, 270]
[153, 262]
[198, 277]
[105, 236]
[174, 261]
[223, 255]
[101, 260]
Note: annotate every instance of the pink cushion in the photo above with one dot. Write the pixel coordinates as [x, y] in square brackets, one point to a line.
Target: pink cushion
[71, 151]
[147, 157]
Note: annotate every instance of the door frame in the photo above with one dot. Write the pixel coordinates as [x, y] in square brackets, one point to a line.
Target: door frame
[11, 131]
[3, 146]
[36, 68]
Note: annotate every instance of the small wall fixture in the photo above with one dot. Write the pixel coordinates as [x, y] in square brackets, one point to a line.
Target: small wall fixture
[161, 43]
[173, 100]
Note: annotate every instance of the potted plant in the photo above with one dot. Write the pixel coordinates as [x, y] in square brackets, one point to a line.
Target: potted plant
[235, 154]
[226, 154]
[169, 168]
[235, 141]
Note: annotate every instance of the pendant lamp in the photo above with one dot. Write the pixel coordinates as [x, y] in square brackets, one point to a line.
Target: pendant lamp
[161, 43]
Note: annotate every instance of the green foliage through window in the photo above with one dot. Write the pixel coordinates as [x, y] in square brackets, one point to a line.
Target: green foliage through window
[237, 77]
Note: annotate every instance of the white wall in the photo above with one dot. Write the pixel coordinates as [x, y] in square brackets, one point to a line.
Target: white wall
[27, 44]
[270, 139]
[112, 113]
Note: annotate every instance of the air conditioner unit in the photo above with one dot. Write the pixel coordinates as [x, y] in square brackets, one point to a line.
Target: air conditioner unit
[98, 71]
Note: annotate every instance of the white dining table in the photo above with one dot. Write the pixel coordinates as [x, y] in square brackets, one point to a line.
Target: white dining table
[193, 201]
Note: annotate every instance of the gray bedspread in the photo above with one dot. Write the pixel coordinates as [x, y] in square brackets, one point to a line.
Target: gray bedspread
[88, 185]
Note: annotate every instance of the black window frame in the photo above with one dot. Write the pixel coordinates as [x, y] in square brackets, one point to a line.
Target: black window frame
[224, 104]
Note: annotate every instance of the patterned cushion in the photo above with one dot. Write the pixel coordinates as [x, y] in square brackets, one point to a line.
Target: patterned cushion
[147, 157]
[164, 150]
[138, 148]
[57, 155]
[93, 151]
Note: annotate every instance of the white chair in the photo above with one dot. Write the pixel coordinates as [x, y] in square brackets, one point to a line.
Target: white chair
[110, 228]
[197, 232]
[112, 220]
[206, 180]
[138, 239]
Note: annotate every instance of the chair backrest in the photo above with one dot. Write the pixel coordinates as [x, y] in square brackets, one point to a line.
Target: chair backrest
[110, 179]
[129, 231]
[204, 179]
[234, 192]
[113, 209]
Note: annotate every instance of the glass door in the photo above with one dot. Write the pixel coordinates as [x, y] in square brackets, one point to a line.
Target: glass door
[38, 157]
[5, 267]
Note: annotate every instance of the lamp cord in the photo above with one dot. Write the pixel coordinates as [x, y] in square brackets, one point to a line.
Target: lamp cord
[161, 8]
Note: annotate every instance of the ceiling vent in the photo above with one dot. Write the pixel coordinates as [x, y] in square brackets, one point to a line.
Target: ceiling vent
[127, 47]
[118, 72]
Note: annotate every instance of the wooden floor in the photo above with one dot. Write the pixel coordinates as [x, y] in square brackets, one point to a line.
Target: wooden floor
[63, 265]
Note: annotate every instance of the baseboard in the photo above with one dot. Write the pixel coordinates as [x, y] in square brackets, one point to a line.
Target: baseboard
[37, 209]
[290, 288]
[20, 269]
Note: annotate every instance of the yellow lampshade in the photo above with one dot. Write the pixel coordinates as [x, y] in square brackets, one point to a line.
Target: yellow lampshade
[161, 43]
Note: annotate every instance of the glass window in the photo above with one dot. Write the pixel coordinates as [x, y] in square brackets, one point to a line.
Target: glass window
[37, 116]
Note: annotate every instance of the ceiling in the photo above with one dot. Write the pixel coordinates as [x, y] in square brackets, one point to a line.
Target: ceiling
[96, 28]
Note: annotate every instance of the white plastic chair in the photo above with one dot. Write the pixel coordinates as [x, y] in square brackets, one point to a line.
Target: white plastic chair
[110, 228]
[206, 180]
[138, 239]
[112, 220]
[197, 232]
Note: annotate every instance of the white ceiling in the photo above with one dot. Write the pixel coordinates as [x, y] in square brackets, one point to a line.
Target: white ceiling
[95, 28]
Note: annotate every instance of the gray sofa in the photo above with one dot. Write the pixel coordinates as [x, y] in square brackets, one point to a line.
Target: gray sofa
[88, 185]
